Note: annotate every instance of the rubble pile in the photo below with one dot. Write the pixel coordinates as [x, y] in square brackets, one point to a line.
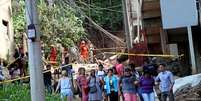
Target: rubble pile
[189, 93]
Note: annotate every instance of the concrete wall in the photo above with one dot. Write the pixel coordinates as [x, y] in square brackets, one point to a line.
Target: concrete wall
[6, 30]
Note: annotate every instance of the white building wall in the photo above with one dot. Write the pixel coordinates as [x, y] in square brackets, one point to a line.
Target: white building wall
[6, 32]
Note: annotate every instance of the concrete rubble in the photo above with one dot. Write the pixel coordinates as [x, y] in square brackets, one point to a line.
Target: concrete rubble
[188, 88]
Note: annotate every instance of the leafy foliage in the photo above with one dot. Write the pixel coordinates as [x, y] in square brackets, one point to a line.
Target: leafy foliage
[58, 23]
[107, 13]
[18, 16]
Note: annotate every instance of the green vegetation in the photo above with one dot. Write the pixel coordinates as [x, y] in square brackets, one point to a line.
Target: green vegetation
[17, 92]
[58, 23]
[107, 13]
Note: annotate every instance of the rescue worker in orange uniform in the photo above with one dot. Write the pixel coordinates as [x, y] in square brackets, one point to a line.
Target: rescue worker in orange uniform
[84, 51]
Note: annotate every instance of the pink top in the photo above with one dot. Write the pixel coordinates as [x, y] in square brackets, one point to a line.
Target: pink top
[120, 69]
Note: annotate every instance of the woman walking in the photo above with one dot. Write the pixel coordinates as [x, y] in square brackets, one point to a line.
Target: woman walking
[147, 83]
[82, 84]
[65, 86]
[111, 86]
[94, 84]
[127, 84]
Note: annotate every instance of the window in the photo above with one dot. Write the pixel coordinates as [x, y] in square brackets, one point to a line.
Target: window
[5, 27]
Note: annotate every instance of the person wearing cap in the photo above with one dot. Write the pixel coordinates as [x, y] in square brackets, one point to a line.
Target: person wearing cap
[127, 84]
[166, 83]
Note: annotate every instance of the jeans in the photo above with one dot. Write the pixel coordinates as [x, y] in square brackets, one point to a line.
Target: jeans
[148, 96]
[49, 88]
[139, 92]
[164, 96]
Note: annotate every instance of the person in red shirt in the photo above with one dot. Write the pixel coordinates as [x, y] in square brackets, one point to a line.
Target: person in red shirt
[84, 51]
[53, 55]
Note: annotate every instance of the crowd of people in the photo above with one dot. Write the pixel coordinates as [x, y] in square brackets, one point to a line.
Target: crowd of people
[119, 83]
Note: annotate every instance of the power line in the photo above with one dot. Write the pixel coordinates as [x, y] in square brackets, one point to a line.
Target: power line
[111, 36]
[99, 8]
[116, 6]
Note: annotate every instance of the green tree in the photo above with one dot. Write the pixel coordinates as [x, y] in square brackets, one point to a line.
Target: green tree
[58, 23]
[107, 13]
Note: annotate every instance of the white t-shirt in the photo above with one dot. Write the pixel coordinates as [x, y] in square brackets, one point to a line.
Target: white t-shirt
[100, 74]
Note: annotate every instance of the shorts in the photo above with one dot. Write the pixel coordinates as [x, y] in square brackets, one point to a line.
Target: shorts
[66, 92]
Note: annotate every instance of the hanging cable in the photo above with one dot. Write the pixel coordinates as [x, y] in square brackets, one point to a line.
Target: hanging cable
[111, 36]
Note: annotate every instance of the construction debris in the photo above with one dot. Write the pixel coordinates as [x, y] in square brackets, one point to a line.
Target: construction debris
[188, 88]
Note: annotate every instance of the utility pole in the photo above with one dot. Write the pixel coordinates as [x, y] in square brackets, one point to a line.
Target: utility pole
[127, 24]
[34, 51]
[192, 52]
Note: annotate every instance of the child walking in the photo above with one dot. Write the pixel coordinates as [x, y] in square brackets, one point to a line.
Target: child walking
[65, 86]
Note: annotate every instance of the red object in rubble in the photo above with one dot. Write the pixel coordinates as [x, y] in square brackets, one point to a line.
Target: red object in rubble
[53, 55]
[139, 48]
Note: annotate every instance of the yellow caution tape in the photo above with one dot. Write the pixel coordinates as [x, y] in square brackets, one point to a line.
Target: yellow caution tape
[109, 48]
[145, 55]
[21, 78]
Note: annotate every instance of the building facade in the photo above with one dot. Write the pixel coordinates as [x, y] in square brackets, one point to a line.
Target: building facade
[6, 30]
[146, 14]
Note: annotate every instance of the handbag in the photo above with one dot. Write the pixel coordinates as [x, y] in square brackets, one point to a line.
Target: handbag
[93, 89]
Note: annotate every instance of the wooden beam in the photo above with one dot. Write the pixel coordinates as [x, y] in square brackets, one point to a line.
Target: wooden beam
[151, 6]
[151, 14]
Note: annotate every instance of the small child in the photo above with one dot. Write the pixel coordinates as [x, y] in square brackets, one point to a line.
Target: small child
[65, 85]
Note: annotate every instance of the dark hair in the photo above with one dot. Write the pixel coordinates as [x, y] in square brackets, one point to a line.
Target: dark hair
[111, 69]
[80, 69]
[93, 70]
[147, 72]
[114, 70]
[131, 65]
[162, 64]
[100, 65]
[48, 65]
[127, 69]
[119, 60]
